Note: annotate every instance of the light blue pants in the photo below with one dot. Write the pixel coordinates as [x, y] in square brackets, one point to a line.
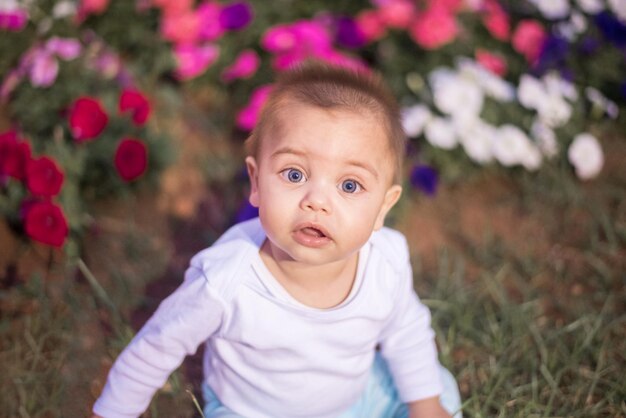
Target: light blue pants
[380, 399]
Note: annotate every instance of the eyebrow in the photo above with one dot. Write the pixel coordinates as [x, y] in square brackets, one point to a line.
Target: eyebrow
[291, 150]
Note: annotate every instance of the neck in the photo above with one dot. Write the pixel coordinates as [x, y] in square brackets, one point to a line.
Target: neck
[318, 286]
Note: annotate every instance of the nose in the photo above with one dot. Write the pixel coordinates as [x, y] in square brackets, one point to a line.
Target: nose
[316, 200]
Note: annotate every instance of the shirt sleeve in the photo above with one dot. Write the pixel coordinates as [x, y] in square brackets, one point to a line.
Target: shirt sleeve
[408, 345]
[181, 323]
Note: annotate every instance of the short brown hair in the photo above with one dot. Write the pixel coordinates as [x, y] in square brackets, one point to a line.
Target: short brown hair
[330, 87]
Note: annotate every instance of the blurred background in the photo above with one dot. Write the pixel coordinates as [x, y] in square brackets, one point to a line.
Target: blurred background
[121, 132]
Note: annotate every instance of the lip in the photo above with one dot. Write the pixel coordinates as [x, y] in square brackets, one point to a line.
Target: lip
[307, 240]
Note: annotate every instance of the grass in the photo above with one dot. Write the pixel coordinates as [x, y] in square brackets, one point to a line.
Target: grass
[532, 330]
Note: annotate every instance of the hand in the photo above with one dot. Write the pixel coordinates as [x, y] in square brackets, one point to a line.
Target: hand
[428, 408]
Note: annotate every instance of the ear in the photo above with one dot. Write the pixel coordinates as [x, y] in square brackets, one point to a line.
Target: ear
[253, 174]
[391, 197]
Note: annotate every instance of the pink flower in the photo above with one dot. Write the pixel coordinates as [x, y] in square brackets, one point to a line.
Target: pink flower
[44, 70]
[496, 20]
[193, 60]
[244, 66]
[137, 104]
[248, 116]
[451, 6]
[278, 39]
[10, 82]
[13, 20]
[181, 27]
[64, 48]
[87, 118]
[174, 6]
[528, 39]
[371, 25]
[493, 62]
[296, 42]
[434, 28]
[91, 7]
[397, 13]
[208, 15]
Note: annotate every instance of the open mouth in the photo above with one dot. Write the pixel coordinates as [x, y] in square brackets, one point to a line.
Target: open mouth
[311, 235]
[313, 232]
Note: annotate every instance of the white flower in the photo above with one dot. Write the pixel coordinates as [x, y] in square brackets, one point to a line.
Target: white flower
[477, 139]
[554, 111]
[557, 86]
[493, 85]
[591, 7]
[440, 133]
[455, 95]
[619, 8]
[545, 138]
[511, 145]
[552, 9]
[64, 9]
[531, 157]
[531, 92]
[414, 119]
[586, 156]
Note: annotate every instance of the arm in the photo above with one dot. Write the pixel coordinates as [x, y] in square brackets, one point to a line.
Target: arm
[427, 408]
[181, 323]
[408, 346]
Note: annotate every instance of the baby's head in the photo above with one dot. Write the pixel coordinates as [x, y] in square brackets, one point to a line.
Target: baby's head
[324, 162]
[337, 89]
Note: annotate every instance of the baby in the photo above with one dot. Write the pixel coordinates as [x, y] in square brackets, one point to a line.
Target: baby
[309, 309]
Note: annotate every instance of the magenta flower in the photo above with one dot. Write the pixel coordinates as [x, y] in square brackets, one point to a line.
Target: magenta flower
[209, 17]
[244, 66]
[248, 116]
[13, 20]
[236, 15]
[193, 60]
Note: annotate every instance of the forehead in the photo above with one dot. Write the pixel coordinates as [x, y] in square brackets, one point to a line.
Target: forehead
[332, 134]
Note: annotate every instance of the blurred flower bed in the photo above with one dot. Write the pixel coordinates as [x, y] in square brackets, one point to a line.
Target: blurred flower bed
[523, 86]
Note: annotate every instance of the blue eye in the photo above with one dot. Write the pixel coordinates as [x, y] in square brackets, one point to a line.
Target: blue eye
[350, 186]
[293, 175]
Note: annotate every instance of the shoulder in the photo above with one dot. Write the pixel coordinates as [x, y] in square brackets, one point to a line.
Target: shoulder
[392, 246]
[224, 263]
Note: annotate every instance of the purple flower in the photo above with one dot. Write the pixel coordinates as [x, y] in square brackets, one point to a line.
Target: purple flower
[553, 54]
[236, 15]
[424, 178]
[589, 45]
[612, 29]
[349, 34]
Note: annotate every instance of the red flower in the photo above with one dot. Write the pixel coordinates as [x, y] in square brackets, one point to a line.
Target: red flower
[14, 155]
[46, 223]
[44, 177]
[87, 118]
[131, 158]
[137, 104]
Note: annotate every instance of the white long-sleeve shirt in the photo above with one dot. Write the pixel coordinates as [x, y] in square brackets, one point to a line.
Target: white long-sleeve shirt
[268, 355]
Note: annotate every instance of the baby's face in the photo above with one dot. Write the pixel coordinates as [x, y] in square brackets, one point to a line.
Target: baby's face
[322, 183]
